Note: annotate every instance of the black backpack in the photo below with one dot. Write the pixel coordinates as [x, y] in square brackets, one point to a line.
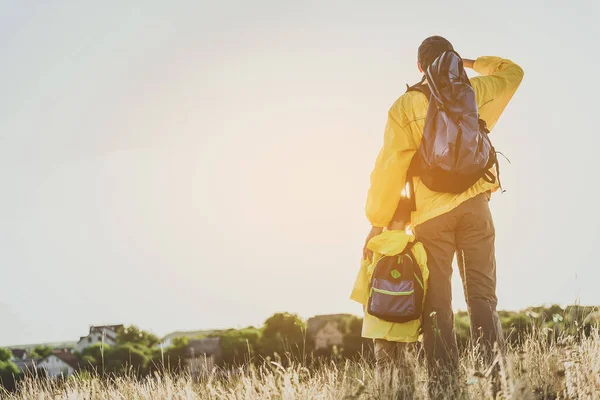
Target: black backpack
[396, 288]
[456, 150]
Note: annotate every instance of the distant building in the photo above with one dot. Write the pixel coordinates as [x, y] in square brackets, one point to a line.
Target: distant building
[99, 334]
[60, 363]
[210, 347]
[202, 355]
[592, 318]
[326, 330]
[27, 366]
[329, 335]
[18, 354]
[22, 361]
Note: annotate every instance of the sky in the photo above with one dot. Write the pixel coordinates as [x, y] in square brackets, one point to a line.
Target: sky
[197, 165]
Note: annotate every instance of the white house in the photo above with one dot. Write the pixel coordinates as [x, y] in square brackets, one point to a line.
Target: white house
[326, 331]
[59, 364]
[99, 334]
[329, 335]
[201, 355]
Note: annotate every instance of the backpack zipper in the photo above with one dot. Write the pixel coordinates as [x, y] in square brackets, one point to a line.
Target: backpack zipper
[392, 293]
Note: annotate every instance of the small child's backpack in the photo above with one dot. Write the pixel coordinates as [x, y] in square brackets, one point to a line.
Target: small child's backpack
[396, 289]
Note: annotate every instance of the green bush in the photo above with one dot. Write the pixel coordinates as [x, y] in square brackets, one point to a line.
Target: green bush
[5, 354]
[283, 334]
[94, 355]
[134, 335]
[126, 357]
[240, 346]
[41, 351]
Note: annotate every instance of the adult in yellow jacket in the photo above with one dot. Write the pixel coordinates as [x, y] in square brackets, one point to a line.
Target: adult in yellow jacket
[445, 223]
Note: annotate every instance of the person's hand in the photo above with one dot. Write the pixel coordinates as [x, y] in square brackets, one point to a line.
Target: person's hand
[368, 254]
[467, 63]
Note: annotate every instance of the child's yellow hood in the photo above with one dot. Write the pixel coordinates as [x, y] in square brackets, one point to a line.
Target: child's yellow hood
[390, 243]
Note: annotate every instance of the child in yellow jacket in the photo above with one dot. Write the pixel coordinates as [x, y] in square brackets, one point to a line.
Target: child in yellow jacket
[391, 338]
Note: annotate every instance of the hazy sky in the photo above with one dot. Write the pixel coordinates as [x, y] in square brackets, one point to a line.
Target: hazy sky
[190, 165]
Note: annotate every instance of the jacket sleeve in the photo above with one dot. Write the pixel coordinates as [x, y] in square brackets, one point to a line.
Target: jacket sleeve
[389, 175]
[498, 82]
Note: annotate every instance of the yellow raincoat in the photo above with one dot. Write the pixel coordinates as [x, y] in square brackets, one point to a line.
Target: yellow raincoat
[495, 87]
[388, 243]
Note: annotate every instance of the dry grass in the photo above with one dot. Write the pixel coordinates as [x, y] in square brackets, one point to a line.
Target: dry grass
[566, 369]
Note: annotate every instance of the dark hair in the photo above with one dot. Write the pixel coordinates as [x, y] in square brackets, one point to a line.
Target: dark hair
[432, 48]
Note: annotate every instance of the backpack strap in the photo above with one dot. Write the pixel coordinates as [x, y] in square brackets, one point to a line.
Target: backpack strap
[417, 273]
[488, 176]
[420, 87]
[412, 269]
[409, 246]
[408, 265]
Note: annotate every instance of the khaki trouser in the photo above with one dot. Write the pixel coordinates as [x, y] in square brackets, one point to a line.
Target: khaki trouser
[468, 230]
[394, 369]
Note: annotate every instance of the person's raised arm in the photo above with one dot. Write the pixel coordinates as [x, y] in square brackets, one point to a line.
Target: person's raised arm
[497, 84]
[467, 63]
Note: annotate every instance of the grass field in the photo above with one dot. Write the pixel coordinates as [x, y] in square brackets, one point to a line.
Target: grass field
[565, 369]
